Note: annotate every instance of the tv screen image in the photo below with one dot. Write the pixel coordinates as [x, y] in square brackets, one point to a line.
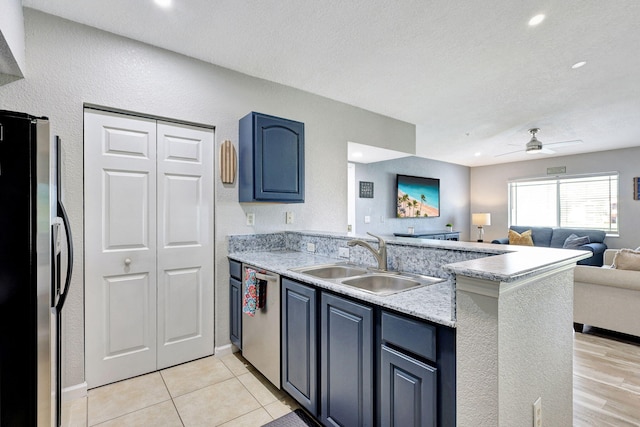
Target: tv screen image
[418, 197]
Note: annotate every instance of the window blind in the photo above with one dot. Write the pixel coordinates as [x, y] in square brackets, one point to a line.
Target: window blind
[578, 202]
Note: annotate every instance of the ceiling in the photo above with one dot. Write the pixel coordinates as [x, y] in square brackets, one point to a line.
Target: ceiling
[472, 76]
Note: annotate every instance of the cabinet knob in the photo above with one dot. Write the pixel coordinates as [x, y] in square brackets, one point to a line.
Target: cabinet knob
[127, 261]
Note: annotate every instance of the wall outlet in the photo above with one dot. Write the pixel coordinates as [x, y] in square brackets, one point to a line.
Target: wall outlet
[537, 413]
[367, 219]
[311, 247]
[343, 252]
[289, 218]
[382, 219]
[251, 219]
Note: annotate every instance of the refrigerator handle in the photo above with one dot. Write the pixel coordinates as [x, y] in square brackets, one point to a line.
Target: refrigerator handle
[65, 219]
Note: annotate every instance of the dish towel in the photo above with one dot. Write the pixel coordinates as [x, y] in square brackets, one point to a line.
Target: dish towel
[250, 297]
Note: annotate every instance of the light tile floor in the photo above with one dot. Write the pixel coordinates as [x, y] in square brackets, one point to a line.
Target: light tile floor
[212, 391]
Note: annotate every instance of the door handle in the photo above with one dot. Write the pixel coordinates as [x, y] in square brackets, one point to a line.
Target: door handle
[269, 277]
[67, 227]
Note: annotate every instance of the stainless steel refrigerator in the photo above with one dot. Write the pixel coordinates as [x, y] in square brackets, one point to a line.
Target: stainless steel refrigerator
[33, 281]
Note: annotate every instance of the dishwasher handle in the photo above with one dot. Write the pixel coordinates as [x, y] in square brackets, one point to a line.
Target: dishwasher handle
[263, 276]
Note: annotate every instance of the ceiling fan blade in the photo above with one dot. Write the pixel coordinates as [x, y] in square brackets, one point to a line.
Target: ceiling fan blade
[565, 143]
[510, 152]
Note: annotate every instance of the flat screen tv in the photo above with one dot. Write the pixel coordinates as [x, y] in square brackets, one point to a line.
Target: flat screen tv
[418, 197]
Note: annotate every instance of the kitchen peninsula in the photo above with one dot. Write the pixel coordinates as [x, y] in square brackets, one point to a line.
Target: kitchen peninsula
[509, 311]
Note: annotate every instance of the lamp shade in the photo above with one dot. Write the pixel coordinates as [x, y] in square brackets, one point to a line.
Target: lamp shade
[481, 219]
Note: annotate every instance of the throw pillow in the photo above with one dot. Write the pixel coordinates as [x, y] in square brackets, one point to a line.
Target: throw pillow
[574, 242]
[627, 259]
[523, 239]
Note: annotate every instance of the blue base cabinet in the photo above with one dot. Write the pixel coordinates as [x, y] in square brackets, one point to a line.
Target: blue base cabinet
[298, 340]
[347, 386]
[235, 303]
[408, 391]
[352, 364]
[271, 159]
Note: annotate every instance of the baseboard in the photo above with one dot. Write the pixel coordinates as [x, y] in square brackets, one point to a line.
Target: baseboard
[225, 350]
[74, 392]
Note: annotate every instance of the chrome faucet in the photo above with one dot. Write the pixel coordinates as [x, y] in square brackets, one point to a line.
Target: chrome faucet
[380, 253]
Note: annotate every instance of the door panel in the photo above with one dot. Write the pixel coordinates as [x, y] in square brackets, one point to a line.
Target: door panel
[126, 302]
[126, 210]
[185, 250]
[182, 206]
[120, 246]
[183, 306]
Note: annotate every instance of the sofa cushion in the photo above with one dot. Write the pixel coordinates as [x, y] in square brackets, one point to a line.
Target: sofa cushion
[607, 277]
[523, 239]
[574, 242]
[560, 235]
[627, 259]
[541, 235]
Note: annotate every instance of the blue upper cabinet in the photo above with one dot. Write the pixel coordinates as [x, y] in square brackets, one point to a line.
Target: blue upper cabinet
[271, 159]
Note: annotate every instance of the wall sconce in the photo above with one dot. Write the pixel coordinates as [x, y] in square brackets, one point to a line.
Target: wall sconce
[481, 219]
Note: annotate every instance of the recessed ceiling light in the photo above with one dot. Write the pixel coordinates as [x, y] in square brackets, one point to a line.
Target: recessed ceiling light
[578, 64]
[478, 154]
[163, 3]
[536, 20]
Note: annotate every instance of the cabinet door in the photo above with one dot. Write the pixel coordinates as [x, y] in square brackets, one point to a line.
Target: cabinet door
[347, 362]
[279, 148]
[235, 312]
[271, 159]
[407, 391]
[299, 353]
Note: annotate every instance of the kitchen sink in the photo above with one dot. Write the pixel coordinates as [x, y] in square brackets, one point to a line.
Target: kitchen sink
[386, 284]
[332, 271]
[367, 279]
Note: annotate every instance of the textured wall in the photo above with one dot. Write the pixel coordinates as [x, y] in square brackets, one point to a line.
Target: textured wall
[71, 64]
[513, 349]
[489, 188]
[454, 196]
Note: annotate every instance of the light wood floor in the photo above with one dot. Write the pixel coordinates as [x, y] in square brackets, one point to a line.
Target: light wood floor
[606, 379]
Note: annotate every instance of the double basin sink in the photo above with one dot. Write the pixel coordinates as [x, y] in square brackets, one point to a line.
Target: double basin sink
[369, 280]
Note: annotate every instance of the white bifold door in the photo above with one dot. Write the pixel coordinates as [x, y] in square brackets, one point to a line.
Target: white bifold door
[148, 245]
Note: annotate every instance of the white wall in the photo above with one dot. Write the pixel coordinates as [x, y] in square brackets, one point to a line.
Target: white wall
[489, 188]
[71, 64]
[454, 196]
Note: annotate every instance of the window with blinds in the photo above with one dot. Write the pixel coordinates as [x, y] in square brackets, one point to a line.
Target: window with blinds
[576, 202]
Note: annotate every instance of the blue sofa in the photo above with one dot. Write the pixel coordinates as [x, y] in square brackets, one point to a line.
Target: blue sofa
[555, 238]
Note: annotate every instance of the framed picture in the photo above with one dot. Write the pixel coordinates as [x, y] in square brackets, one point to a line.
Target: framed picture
[366, 190]
[636, 188]
[418, 197]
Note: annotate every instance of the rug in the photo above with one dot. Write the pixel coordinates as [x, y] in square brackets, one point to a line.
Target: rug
[297, 418]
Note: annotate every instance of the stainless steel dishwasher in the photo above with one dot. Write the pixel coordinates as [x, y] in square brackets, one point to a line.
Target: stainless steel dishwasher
[261, 332]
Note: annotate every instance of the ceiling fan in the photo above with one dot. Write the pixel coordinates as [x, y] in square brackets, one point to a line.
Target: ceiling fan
[534, 146]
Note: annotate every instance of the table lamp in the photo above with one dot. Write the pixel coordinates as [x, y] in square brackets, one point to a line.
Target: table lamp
[481, 219]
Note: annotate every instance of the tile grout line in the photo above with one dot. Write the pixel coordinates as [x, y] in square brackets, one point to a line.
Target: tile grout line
[171, 397]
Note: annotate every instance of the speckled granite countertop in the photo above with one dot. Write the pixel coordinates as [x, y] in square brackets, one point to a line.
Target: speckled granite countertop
[520, 263]
[436, 303]
[432, 302]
